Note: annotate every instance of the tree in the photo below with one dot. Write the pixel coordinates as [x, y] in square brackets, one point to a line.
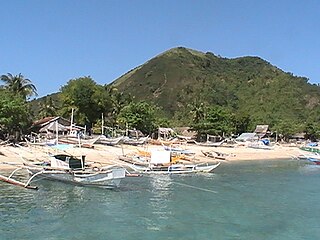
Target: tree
[197, 110]
[241, 122]
[14, 114]
[80, 94]
[312, 130]
[17, 84]
[118, 102]
[139, 115]
[47, 108]
[217, 121]
[286, 128]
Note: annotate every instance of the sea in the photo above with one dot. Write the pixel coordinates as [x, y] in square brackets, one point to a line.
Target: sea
[244, 200]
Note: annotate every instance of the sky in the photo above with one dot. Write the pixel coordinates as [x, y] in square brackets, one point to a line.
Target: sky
[53, 41]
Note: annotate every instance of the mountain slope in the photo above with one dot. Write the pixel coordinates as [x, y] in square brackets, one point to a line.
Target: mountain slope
[182, 76]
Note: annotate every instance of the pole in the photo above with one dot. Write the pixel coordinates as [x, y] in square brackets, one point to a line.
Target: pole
[57, 132]
[102, 124]
[71, 120]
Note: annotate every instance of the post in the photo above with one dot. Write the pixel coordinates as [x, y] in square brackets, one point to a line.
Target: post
[102, 124]
[71, 120]
[57, 133]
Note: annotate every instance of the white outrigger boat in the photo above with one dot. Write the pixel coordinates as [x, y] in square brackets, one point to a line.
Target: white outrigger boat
[160, 163]
[175, 168]
[69, 169]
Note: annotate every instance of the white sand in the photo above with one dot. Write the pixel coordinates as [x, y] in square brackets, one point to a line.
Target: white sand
[110, 154]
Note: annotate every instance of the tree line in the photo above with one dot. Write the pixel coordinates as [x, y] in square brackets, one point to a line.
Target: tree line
[91, 101]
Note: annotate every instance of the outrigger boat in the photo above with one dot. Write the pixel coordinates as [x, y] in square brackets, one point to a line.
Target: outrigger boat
[69, 169]
[313, 157]
[175, 168]
[160, 162]
[110, 141]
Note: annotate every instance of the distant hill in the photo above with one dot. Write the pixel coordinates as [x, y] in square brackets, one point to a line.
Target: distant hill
[252, 85]
[180, 77]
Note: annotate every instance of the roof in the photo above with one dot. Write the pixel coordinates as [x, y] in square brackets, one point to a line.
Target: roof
[165, 130]
[44, 121]
[53, 127]
[261, 130]
[185, 131]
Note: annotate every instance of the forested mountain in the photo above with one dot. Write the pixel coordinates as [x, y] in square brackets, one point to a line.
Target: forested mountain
[212, 94]
[181, 77]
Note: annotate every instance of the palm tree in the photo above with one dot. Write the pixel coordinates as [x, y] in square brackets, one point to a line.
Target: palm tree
[19, 85]
[118, 101]
[198, 111]
[47, 108]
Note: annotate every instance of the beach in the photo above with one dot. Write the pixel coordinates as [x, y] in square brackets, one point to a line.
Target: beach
[10, 156]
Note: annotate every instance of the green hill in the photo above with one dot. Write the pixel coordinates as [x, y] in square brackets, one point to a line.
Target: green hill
[182, 76]
[246, 86]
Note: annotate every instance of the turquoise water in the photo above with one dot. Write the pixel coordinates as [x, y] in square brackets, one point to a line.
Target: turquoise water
[249, 200]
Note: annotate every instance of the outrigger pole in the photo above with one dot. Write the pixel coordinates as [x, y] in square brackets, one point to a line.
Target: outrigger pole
[16, 182]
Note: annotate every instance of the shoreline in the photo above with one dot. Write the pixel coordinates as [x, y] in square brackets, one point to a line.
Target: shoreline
[110, 154]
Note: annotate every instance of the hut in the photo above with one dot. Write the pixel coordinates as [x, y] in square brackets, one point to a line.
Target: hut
[262, 131]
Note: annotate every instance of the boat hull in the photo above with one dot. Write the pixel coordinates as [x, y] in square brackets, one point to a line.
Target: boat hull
[106, 178]
[175, 168]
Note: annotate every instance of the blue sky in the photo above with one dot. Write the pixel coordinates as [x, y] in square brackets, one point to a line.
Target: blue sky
[53, 41]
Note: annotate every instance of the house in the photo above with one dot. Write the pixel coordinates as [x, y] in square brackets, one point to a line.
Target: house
[185, 133]
[262, 131]
[166, 133]
[51, 125]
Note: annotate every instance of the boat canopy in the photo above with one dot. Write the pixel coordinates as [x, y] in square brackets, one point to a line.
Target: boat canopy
[160, 157]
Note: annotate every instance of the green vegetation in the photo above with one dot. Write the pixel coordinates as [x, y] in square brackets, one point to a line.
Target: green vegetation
[19, 85]
[180, 87]
[186, 84]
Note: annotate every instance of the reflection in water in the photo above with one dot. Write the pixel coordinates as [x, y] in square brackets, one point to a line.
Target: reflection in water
[159, 202]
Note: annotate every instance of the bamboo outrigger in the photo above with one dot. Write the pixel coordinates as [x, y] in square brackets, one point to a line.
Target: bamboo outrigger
[69, 169]
[16, 182]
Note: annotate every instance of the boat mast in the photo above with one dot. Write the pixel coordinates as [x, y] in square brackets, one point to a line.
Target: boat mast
[71, 120]
[57, 133]
[102, 124]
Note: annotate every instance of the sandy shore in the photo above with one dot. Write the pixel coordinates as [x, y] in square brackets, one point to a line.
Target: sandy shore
[109, 154]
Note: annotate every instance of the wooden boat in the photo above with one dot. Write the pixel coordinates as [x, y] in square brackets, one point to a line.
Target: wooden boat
[215, 155]
[160, 162]
[313, 157]
[261, 144]
[135, 141]
[72, 170]
[77, 142]
[175, 168]
[110, 141]
[313, 149]
[178, 150]
[209, 143]
[315, 160]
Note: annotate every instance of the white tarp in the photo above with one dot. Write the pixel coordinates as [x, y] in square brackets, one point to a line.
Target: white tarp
[160, 157]
[247, 137]
[53, 127]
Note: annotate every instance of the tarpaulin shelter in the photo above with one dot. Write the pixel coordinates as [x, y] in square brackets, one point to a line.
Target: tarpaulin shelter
[244, 137]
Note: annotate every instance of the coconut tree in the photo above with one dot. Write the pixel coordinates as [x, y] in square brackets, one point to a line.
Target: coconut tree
[47, 108]
[18, 84]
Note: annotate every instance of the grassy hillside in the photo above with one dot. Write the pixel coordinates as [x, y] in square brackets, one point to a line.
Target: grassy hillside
[181, 76]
